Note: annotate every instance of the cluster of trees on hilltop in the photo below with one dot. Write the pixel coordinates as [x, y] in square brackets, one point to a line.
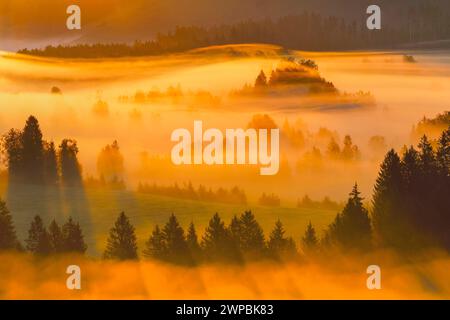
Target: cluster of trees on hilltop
[32, 160]
[306, 31]
[432, 127]
[302, 75]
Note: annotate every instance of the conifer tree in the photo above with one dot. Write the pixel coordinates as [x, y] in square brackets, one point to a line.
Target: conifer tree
[155, 247]
[13, 151]
[8, 238]
[278, 245]
[192, 242]
[50, 164]
[121, 243]
[386, 201]
[351, 228]
[175, 242]
[217, 243]
[309, 240]
[261, 81]
[73, 239]
[234, 230]
[33, 151]
[38, 241]
[56, 237]
[69, 166]
[252, 240]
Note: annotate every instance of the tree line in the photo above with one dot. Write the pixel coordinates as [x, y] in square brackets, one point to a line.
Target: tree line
[32, 160]
[305, 31]
[202, 193]
[410, 210]
[41, 240]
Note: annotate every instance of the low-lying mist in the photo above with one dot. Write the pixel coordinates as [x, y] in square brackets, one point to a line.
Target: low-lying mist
[343, 277]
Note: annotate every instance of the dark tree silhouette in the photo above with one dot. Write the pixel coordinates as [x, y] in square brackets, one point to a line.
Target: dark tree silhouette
[310, 241]
[51, 176]
[386, 201]
[38, 241]
[175, 242]
[69, 166]
[33, 151]
[217, 243]
[12, 149]
[252, 242]
[8, 238]
[155, 247]
[73, 239]
[56, 237]
[192, 243]
[261, 81]
[279, 246]
[121, 243]
[351, 228]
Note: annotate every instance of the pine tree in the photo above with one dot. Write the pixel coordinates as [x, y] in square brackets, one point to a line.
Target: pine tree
[278, 245]
[217, 243]
[155, 247]
[69, 166]
[8, 238]
[192, 243]
[234, 230]
[261, 81]
[56, 237]
[310, 242]
[38, 241]
[252, 240]
[176, 246]
[50, 164]
[73, 239]
[443, 154]
[121, 243]
[351, 228]
[13, 150]
[443, 205]
[387, 204]
[33, 151]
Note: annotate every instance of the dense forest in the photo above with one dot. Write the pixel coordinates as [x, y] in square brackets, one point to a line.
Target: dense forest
[410, 210]
[305, 31]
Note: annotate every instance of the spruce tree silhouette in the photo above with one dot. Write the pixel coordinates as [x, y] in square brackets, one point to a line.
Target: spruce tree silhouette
[8, 237]
[12, 149]
[443, 206]
[279, 246]
[351, 228]
[121, 243]
[252, 242]
[175, 242]
[69, 166]
[387, 212]
[310, 242]
[192, 243]
[38, 241]
[56, 237]
[51, 176]
[73, 239]
[217, 243]
[32, 152]
[155, 247]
